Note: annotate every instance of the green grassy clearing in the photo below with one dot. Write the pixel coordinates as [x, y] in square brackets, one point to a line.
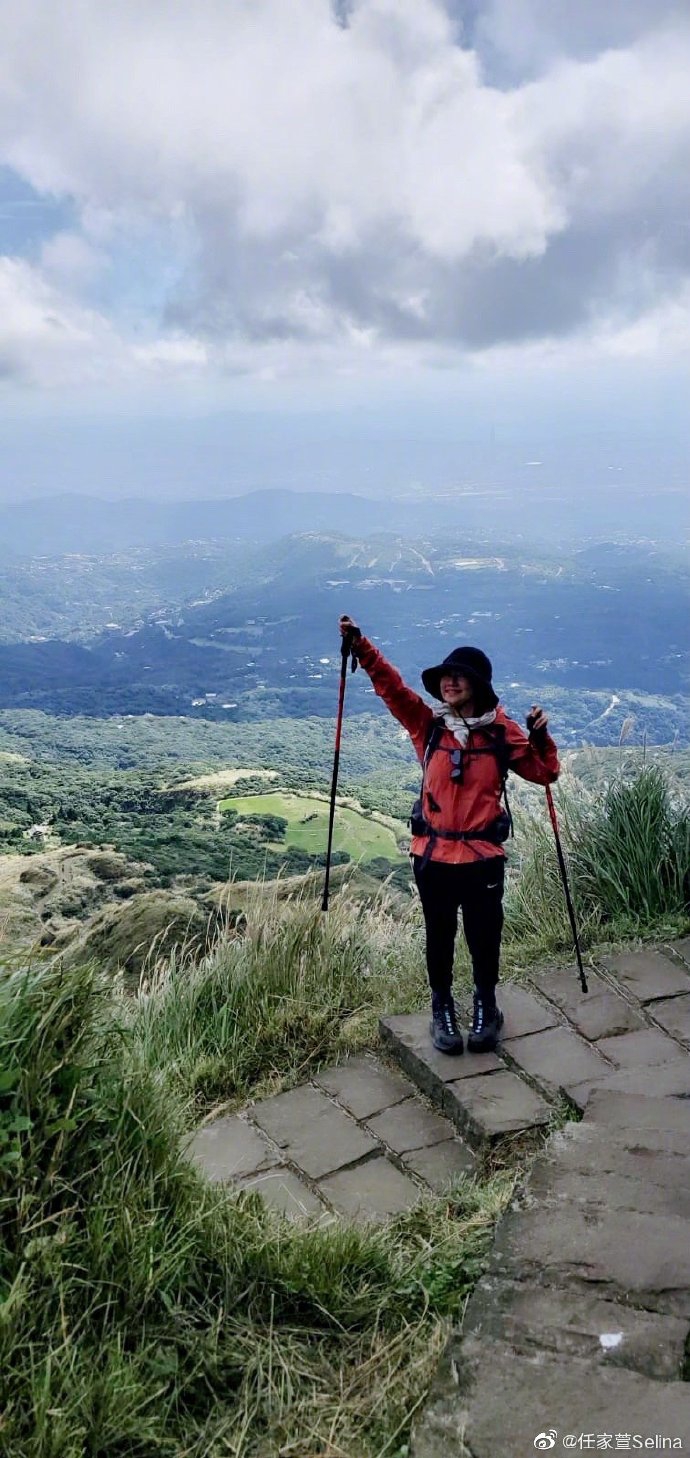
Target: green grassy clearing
[307, 828]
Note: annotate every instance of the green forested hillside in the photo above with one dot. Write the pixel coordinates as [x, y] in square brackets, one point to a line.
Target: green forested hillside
[123, 781]
[152, 789]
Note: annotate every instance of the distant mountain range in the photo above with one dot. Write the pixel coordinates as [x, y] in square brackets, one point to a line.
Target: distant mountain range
[60, 524]
[85, 524]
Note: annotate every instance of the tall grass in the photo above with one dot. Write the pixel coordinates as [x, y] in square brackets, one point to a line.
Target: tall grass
[294, 989]
[631, 851]
[628, 853]
[143, 1312]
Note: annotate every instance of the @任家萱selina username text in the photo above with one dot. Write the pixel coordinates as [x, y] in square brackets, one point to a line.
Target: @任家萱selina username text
[548, 1440]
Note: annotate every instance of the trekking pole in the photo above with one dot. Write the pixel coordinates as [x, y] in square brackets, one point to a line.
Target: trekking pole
[566, 887]
[345, 651]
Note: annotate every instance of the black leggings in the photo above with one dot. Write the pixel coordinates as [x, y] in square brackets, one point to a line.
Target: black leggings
[477, 887]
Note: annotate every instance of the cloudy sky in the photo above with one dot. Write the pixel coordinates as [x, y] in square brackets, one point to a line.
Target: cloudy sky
[388, 243]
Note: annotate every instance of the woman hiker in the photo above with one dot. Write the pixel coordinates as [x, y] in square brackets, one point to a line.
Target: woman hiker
[458, 824]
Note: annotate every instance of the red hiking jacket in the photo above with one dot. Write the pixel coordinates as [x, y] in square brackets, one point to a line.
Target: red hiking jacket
[475, 802]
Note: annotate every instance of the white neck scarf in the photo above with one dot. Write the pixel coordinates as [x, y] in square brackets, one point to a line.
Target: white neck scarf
[460, 728]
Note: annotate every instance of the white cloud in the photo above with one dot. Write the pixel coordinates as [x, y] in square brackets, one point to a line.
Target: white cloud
[663, 331]
[273, 116]
[70, 261]
[348, 188]
[46, 339]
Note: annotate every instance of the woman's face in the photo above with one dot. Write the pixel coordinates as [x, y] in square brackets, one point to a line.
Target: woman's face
[457, 691]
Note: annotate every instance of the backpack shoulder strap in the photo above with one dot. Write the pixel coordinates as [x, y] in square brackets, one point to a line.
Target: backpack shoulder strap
[502, 750]
[434, 731]
[433, 734]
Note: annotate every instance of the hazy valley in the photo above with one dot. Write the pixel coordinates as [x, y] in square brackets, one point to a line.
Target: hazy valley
[234, 629]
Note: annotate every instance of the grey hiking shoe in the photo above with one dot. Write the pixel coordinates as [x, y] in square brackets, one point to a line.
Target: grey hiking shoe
[486, 1026]
[443, 1026]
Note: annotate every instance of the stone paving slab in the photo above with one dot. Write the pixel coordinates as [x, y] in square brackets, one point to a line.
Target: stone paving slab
[372, 1192]
[409, 1125]
[648, 974]
[364, 1085]
[550, 1186]
[557, 1058]
[651, 1156]
[604, 1016]
[634, 1111]
[596, 1138]
[657, 1083]
[284, 1191]
[598, 1013]
[643, 1048]
[483, 1108]
[577, 1324]
[682, 950]
[624, 1253]
[313, 1133]
[489, 1402]
[674, 1014]
[440, 1163]
[407, 1035]
[229, 1147]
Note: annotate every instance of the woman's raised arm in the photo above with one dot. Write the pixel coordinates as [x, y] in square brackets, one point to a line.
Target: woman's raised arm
[406, 706]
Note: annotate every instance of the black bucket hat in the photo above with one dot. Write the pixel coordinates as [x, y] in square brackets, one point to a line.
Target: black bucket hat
[470, 661]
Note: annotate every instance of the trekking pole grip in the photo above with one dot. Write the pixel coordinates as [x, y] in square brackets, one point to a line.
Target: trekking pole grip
[347, 648]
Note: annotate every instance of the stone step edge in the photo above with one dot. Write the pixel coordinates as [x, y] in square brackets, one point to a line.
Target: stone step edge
[491, 1280]
[561, 1279]
[433, 1086]
[427, 1081]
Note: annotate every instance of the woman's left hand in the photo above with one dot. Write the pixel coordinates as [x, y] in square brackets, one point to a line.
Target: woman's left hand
[537, 722]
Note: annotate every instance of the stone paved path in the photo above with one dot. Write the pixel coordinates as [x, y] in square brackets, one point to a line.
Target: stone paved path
[579, 1328]
[580, 1323]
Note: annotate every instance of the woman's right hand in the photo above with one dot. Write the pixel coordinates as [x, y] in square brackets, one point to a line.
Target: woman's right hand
[348, 627]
